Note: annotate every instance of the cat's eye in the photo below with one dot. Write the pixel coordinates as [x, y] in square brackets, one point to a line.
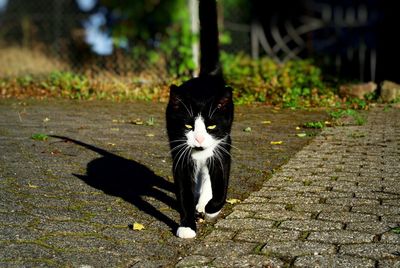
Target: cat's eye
[188, 126]
[212, 127]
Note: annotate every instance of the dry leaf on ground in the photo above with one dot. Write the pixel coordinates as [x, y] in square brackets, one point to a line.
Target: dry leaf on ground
[138, 226]
[232, 201]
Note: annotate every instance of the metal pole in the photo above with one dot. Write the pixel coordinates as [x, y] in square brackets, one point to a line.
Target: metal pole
[194, 22]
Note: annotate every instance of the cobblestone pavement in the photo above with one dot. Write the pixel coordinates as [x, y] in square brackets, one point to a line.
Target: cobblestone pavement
[74, 201]
[336, 203]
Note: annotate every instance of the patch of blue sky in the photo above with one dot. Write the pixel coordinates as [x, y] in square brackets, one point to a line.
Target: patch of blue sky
[85, 5]
[3, 5]
[99, 40]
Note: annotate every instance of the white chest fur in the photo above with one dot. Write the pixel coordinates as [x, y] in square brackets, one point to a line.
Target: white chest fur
[203, 190]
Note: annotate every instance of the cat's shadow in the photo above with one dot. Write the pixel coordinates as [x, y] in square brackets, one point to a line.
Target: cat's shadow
[128, 179]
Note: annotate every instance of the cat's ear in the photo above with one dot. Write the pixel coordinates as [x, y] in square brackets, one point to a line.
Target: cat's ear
[173, 97]
[226, 98]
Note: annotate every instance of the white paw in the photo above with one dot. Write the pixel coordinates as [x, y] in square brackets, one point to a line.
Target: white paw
[201, 207]
[185, 232]
[212, 216]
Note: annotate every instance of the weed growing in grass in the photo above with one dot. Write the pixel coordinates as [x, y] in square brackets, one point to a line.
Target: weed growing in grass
[316, 125]
[339, 114]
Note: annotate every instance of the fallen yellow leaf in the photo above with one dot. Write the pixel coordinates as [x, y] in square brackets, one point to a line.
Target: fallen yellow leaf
[298, 128]
[150, 135]
[276, 142]
[138, 226]
[232, 201]
[138, 121]
[266, 122]
[32, 186]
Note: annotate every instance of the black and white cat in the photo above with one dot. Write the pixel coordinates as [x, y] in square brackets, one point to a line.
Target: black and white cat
[199, 118]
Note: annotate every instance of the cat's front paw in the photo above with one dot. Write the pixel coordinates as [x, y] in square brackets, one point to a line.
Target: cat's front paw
[185, 232]
[200, 207]
[212, 216]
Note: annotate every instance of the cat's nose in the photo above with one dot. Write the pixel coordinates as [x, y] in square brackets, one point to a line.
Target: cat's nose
[199, 139]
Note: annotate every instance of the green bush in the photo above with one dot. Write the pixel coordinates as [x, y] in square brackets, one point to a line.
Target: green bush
[291, 84]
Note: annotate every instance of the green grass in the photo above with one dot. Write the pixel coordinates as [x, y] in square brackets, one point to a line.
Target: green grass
[358, 118]
[316, 125]
[39, 137]
[292, 84]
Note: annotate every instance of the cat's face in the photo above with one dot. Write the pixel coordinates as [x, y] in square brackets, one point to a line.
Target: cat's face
[201, 137]
[199, 123]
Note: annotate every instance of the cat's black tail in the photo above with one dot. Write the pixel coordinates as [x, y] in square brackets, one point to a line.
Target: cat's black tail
[209, 45]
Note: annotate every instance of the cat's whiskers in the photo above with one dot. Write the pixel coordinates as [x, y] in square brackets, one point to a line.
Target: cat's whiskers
[182, 154]
[212, 114]
[218, 156]
[219, 147]
[179, 146]
[174, 141]
[230, 145]
[184, 105]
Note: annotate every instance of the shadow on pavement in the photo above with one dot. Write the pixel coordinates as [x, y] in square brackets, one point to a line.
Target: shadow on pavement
[130, 180]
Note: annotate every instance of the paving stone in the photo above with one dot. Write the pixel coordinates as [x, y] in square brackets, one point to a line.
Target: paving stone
[341, 237]
[282, 215]
[91, 259]
[257, 207]
[328, 194]
[224, 248]
[317, 208]
[256, 199]
[263, 235]
[20, 262]
[305, 188]
[220, 235]
[240, 214]
[297, 248]
[347, 217]
[19, 233]
[56, 214]
[391, 202]
[390, 237]
[390, 218]
[81, 242]
[194, 261]
[377, 195]
[369, 227]
[247, 261]
[352, 201]
[273, 193]
[377, 210]
[18, 219]
[311, 225]
[389, 263]
[240, 224]
[372, 250]
[65, 227]
[19, 251]
[296, 200]
[334, 261]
